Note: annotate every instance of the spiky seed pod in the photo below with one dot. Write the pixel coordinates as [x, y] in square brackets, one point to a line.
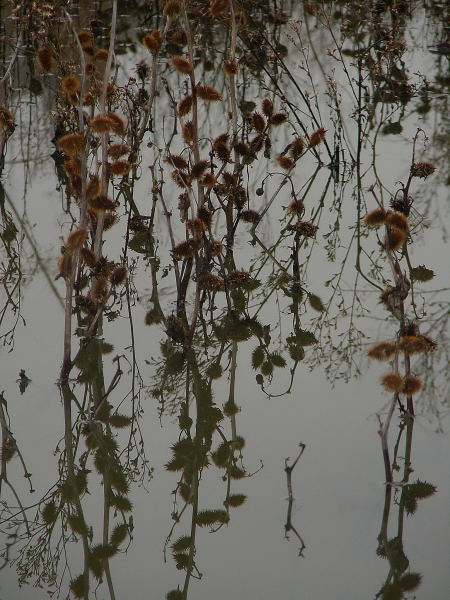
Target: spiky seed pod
[219, 7]
[205, 216]
[109, 219]
[216, 247]
[250, 216]
[196, 226]
[44, 58]
[222, 151]
[296, 208]
[229, 179]
[181, 179]
[212, 283]
[188, 131]
[317, 137]
[239, 197]
[72, 166]
[101, 203]
[176, 160]
[198, 169]
[181, 65]
[152, 41]
[90, 68]
[88, 49]
[85, 37]
[76, 238]
[88, 257]
[119, 275]
[230, 67]
[186, 249]
[382, 350]
[209, 180]
[6, 118]
[385, 296]
[73, 99]
[242, 148]
[99, 290]
[71, 144]
[395, 238]
[258, 121]
[397, 220]
[115, 151]
[285, 162]
[278, 119]
[413, 344]
[101, 124]
[179, 37]
[120, 167]
[185, 105]
[422, 169]
[70, 84]
[392, 382]
[172, 9]
[267, 107]
[101, 55]
[411, 385]
[207, 92]
[240, 18]
[118, 124]
[88, 99]
[75, 185]
[93, 187]
[221, 139]
[64, 267]
[375, 218]
[297, 147]
[237, 278]
[257, 143]
[306, 229]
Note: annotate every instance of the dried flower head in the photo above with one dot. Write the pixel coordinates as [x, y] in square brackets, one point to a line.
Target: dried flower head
[205, 215]
[117, 123]
[257, 143]
[422, 169]
[198, 169]
[176, 160]
[71, 144]
[285, 162]
[88, 257]
[93, 187]
[296, 208]
[258, 121]
[212, 283]
[152, 41]
[90, 68]
[186, 249]
[70, 84]
[181, 64]
[99, 290]
[6, 118]
[101, 55]
[181, 179]
[101, 124]
[238, 278]
[196, 226]
[411, 385]
[216, 247]
[230, 67]
[179, 37]
[72, 166]
[209, 180]
[306, 228]
[120, 167]
[392, 382]
[115, 151]
[250, 216]
[207, 92]
[188, 131]
[45, 58]
[267, 107]
[185, 105]
[64, 267]
[242, 148]
[76, 238]
[297, 147]
[278, 119]
[397, 220]
[109, 219]
[382, 350]
[229, 180]
[219, 7]
[375, 218]
[101, 203]
[172, 9]
[222, 151]
[85, 37]
[413, 344]
[317, 137]
[395, 238]
[119, 275]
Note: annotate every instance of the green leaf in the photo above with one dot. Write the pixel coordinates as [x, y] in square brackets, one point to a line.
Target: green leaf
[316, 303]
[421, 273]
[119, 534]
[257, 357]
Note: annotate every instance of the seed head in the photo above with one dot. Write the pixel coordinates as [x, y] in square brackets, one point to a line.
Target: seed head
[152, 41]
[382, 350]
[119, 275]
[317, 137]
[297, 147]
[172, 9]
[278, 119]
[375, 217]
[6, 118]
[188, 131]
[395, 238]
[101, 124]
[185, 105]
[71, 144]
[285, 162]
[76, 238]
[70, 84]
[392, 382]
[181, 64]
[101, 55]
[267, 107]
[45, 58]
[411, 385]
[216, 247]
[115, 151]
[422, 169]
[209, 180]
[218, 7]
[186, 249]
[120, 167]
[250, 216]
[85, 37]
[207, 92]
[258, 121]
[88, 257]
[101, 203]
[413, 344]
[212, 283]
[397, 220]
[118, 124]
[198, 169]
[230, 67]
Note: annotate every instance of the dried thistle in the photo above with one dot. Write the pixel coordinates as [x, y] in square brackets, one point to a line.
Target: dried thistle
[205, 216]
[230, 67]
[278, 119]
[71, 144]
[101, 55]
[397, 220]
[120, 167]
[188, 131]
[118, 123]
[119, 275]
[6, 118]
[152, 41]
[70, 84]
[185, 105]
[76, 238]
[285, 162]
[258, 121]
[101, 124]
[395, 238]
[172, 9]
[101, 203]
[115, 151]
[422, 169]
[45, 59]
[250, 216]
[186, 249]
[317, 137]
[198, 169]
[209, 180]
[207, 92]
[181, 64]
[219, 7]
[413, 344]
[212, 283]
[267, 107]
[392, 382]
[297, 147]
[382, 350]
[375, 217]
